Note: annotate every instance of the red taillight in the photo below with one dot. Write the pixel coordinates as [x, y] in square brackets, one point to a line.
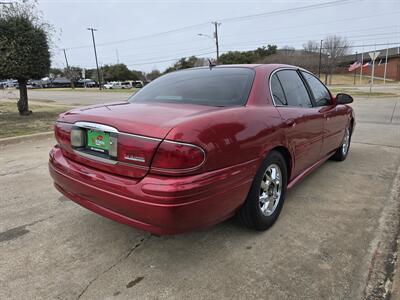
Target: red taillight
[137, 150]
[62, 132]
[175, 157]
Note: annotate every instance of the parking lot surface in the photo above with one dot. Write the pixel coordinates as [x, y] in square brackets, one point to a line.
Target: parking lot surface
[69, 97]
[327, 243]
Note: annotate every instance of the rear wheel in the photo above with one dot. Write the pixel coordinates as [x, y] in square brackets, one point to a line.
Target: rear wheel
[267, 194]
[343, 150]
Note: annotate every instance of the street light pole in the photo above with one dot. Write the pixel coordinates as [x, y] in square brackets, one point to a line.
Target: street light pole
[95, 55]
[215, 37]
[216, 24]
[320, 56]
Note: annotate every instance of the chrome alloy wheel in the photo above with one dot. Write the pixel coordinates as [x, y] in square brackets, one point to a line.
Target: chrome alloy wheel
[346, 142]
[270, 190]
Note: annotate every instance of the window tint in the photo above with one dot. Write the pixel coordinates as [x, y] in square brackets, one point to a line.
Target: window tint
[215, 87]
[295, 91]
[277, 91]
[321, 94]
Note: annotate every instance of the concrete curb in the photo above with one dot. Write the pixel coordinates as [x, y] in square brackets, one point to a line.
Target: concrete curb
[25, 138]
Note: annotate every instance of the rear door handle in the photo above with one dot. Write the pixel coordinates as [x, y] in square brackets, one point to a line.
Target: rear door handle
[290, 122]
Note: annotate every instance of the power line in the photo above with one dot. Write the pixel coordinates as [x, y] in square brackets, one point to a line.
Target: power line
[290, 10]
[232, 19]
[280, 28]
[246, 49]
[299, 38]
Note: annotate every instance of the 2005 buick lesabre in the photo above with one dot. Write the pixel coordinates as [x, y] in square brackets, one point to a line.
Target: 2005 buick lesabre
[198, 146]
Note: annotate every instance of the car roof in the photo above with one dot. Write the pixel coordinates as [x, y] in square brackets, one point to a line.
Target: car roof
[269, 67]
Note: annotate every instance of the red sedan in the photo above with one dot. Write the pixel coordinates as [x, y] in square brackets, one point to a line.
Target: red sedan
[197, 146]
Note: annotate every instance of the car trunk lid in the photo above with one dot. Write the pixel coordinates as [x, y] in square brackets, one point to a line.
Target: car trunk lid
[120, 138]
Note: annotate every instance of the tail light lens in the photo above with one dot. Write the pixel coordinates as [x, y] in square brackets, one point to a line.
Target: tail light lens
[175, 157]
[78, 137]
[137, 150]
[62, 133]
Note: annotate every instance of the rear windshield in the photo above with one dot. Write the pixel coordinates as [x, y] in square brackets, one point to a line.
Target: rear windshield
[215, 87]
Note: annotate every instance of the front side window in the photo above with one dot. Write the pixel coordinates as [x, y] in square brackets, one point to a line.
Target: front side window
[320, 92]
[215, 87]
[294, 89]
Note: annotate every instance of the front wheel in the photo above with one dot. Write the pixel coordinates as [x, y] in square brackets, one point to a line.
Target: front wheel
[343, 150]
[267, 194]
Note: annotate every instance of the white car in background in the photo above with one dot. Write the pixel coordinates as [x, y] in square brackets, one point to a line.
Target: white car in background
[118, 85]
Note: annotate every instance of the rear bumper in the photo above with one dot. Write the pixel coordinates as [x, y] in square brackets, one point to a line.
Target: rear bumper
[158, 204]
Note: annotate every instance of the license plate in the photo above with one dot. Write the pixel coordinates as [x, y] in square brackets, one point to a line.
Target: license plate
[98, 141]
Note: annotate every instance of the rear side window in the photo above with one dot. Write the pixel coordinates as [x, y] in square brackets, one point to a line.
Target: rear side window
[294, 88]
[320, 92]
[215, 87]
[277, 91]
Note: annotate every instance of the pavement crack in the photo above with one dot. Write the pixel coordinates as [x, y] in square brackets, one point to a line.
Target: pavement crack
[16, 172]
[131, 250]
[19, 231]
[394, 110]
[382, 265]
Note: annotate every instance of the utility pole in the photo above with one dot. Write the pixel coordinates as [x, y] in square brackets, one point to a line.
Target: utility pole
[355, 70]
[95, 55]
[362, 65]
[68, 70]
[117, 54]
[216, 24]
[66, 60]
[386, 59]
[320, 57]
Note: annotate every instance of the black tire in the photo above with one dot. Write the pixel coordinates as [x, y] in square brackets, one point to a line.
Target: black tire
[251, 214]
[341, 154]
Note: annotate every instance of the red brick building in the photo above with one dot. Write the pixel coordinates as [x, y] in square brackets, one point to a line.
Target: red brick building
[393, 63]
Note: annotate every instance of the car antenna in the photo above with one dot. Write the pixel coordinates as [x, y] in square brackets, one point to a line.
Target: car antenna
[210, 64]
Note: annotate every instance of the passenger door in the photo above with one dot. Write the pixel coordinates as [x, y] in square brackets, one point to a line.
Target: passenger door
[334, 119]
[303, 124]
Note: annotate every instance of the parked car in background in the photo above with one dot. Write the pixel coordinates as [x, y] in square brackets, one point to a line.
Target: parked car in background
[118, 85]
[197, 146]
[89, 83]
[10, 83]
[138, 84]
[126, 85]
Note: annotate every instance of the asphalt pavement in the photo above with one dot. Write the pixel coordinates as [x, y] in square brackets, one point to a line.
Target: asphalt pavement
[334, 238]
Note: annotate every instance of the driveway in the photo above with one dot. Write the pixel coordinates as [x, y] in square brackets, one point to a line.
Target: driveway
[330, 242]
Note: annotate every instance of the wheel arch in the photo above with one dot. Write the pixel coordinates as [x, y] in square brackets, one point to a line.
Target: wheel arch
[351, 124]
[287, 156]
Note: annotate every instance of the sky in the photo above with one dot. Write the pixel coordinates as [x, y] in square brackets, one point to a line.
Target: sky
[148, 35]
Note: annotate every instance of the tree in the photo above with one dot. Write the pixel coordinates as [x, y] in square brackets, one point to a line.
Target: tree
[56, 72]
[334, 47]
[247, 57]
[138, 75]
[311, 46]
[73, 74]
[24, 47]
[117, 72]
[153, 75]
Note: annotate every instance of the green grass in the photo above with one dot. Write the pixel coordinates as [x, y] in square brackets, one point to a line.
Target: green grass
[355, 92]
[42, 119]
[348, 79]
[90, 90]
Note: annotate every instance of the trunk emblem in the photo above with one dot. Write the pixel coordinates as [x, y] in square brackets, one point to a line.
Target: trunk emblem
[135, 158]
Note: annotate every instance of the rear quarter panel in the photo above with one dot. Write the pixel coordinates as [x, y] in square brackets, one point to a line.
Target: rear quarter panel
[232, 136]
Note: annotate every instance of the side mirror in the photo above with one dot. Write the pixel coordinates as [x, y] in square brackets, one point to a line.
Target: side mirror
[342, 98]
